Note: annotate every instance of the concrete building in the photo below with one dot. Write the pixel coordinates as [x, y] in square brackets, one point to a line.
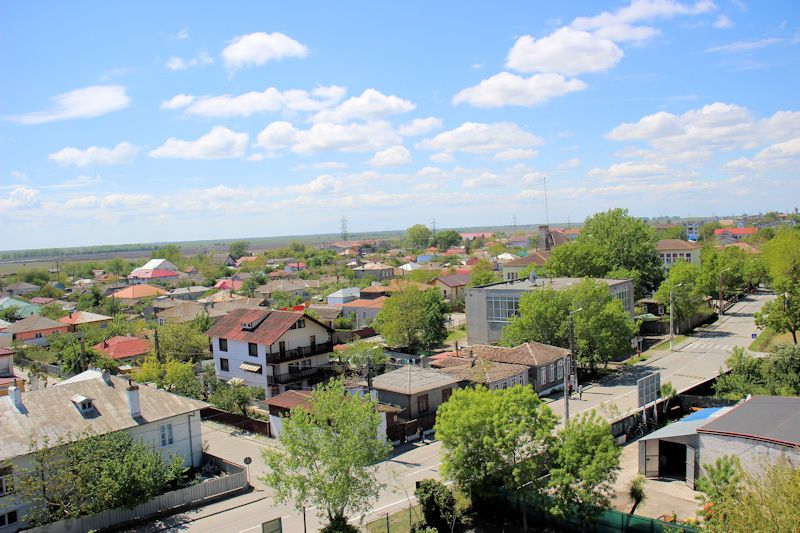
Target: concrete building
[670, 251]
[275, 350]
[490, 307]
[97, 402]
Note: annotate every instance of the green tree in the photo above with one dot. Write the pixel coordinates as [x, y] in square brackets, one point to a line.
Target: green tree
[173, 376]
[782, 314]
[727, 265]
[418, 236]
[493, 438]
[182, 342]
[707, 231]
[90, 300]
[48, 291]
[327, 455]
[238, 249]
[543, 317]
[438, 504]
[170, 252]
[668, 393]
[413, 319]
[781, 370]
[782, 256]
[482, 273]
[83, 474]
[745, 377]
[231, 398]
[636, 491]
[721, 482]
[585, 467]
[361, 353]
[117, 266]
[687, 298]
[12, 313]
[52, 311]
[446, 239]
[672, 232]
[608, 241]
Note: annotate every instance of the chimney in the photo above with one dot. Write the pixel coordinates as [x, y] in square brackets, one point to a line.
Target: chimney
[543, 242]
[133, 399]
[106, 377]
[15, 395]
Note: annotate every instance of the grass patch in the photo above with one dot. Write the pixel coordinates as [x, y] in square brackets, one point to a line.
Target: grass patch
[399, 522]
[665, 345]
[456, 335]
[767, 339]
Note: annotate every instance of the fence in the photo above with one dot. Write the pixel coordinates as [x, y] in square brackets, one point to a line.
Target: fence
[253, 425]
[234, 481]
[50, 369]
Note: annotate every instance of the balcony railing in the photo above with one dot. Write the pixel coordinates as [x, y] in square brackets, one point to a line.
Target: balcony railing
[319, 372]
[296, 353]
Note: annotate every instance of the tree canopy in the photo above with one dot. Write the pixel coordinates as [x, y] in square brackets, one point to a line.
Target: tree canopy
[610, 240]
[238, 249]
[446, 239]
[687, 297]
[327, 454]
[413, 319]
[482, 273]
[418, 236]
[776, 375]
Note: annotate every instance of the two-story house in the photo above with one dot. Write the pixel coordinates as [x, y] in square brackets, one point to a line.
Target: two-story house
[275, 350]
[670, 251]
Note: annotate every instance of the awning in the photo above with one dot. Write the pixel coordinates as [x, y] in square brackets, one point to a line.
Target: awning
[251, 367]
[236, 381]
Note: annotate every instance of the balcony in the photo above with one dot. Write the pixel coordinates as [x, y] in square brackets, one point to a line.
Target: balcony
[297, 353]
[312, 373]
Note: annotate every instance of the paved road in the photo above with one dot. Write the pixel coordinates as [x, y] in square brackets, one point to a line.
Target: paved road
[695, 360]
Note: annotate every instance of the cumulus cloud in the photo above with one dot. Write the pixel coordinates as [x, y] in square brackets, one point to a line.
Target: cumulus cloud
[509, 89]
[776, 157]
[481, 138]
[442, 157]
[259, 48]
[179, 63]
[354, 137]
[394, 156]
[324, 184]
[219, 143]
[641, 11]
[86, 102]
[268, 100]
[630, 170]
[515, 153]
[565, 51]
[328, 165]
[19, 197]
[569, 164]
[484, 179]
[369, 105]
[419, 126]
[124, 152]
[81, 181]
[723, 22]
[178, 101]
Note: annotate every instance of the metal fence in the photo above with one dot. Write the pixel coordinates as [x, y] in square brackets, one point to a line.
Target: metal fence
[234, 481]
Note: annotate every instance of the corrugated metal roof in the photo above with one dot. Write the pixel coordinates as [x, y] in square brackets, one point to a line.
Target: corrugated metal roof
[768, 418]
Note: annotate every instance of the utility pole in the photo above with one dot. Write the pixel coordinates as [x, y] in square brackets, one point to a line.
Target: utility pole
[568, 363]
[344, 231]
[433, 227]
[546, 209]
[671, 324]
[514, 223]
[158, 348]
[719, 302]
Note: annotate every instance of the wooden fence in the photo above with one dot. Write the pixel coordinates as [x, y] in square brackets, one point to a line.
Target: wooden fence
[235, 481]
[253, 425]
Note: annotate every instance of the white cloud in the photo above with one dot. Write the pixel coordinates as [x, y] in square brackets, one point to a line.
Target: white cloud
[509, 89]
[178, 63]
[630, 170]
[354, 137]
[219, 143]
[124, 152]
[433, 173]
[259, 48]
[723, 22]
[369, 105]
[622, 33]
[81, 181]
[643, 10]
[481, 138]
[776, 157]
[394, 156]
[565, 51]
[329, 165]
[569, 164]
[484, 179]
[419, 126]
[177, 101]
[442, 157]
[515, 153]
[19, 197]
[661, 124]
[744, 46]
[82, 202]
[269, 100]
[324, 184]
[183, 34]
[87, 102]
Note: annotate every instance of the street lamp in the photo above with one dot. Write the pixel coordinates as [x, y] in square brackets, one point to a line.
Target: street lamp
[671, 326]
[568, 362]
[719, 302]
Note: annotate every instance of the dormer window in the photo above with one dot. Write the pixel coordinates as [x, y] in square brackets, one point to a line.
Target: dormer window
[83, 403]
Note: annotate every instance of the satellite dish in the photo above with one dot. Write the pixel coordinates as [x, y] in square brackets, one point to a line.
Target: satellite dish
[532, 278]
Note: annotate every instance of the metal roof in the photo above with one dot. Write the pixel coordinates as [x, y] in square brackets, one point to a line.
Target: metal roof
[687, 425]
[766, 418]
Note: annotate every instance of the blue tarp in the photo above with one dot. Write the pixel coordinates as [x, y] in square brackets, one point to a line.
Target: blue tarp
[702, 414]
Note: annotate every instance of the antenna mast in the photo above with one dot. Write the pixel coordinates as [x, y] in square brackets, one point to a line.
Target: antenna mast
[345, 235]
[546, 210]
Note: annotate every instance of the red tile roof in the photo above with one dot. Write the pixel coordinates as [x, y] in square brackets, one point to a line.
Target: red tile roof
[138, 291]
[270, 325]
[736, 231]
[122, 347]
[228, 284]
[6, 351]
[375, 303]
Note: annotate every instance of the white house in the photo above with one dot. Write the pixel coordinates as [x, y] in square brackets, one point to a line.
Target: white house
[96, 401]
[673, 250]
[159, 264]
[275, 350]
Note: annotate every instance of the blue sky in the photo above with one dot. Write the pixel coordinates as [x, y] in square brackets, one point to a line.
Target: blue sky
[153, 121]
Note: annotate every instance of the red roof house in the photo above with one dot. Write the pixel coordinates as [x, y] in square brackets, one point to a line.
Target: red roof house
[124, 348]
[228, 285]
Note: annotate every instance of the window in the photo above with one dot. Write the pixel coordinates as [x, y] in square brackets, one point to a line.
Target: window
[8, 519]
[38, 335]
[301, 323]
[6, 481]
[166, 434]
[560, 369]
[501, 308]
[312, 341]
[552, 372]
[282, 348]
[223, 345]
[446, 393]
[543, 375]
[511, 276]
[223, 364]
[422, 403]
[306, 363]
[252, 349]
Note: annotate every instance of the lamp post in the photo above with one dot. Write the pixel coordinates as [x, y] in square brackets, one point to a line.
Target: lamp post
[568, 362]
[719, 302]
[671, 323]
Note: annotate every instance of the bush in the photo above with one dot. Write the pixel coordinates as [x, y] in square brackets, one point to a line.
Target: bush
[339, 525]
[438, 504]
